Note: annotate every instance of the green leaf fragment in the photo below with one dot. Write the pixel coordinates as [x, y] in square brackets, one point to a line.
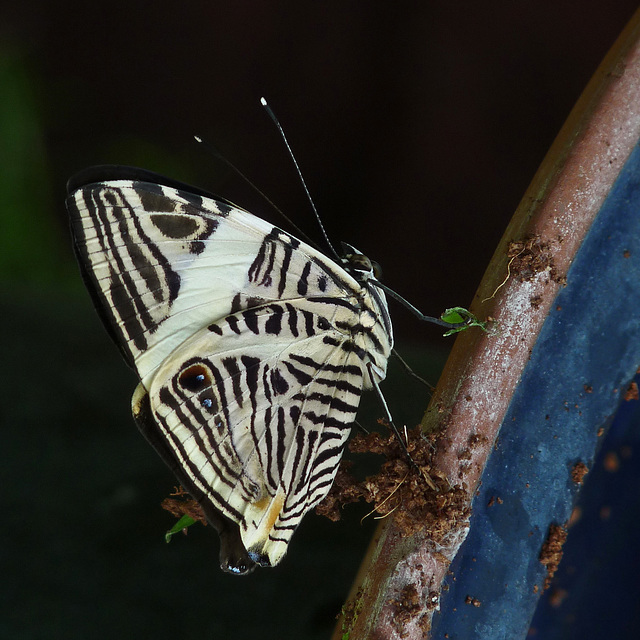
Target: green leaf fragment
[183, 523]
[458, 315]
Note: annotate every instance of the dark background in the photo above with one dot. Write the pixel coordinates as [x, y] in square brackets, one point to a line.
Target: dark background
[418, 127]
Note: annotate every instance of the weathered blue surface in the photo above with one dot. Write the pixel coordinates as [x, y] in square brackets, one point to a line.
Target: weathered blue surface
[596, 593]
[587, 353]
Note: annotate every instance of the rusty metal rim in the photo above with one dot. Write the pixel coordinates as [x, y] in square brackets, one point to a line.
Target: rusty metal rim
[483, 370]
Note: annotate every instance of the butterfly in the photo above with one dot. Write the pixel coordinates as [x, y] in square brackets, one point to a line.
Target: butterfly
[252, 347]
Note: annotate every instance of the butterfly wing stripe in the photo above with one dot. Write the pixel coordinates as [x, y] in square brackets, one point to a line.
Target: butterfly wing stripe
[265, 385]
[328, 421]
[369, 332]
[346, 345]
[251, 367]
[375, 314]
[324, 455]
[350, 369]
[280, 442]
[329, 300]
[250, 320]
[340, 385]
[293, 320]
[301, 377]
[274, 324]
[268, 442]
[303, 284]
[234, 324]
[382, 316]
[329, 400]
[294, 414]
[231, 365]
[308, 322]
[299, 466]
[286, 262]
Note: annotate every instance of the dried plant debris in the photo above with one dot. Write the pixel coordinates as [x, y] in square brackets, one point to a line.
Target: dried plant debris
[578, 472]
[182, 504]
[632, 392]
[474, 601]
[345, 489]
[531, 256]
[406, 607]
[551, 552]
[535, 301]
[416, 497]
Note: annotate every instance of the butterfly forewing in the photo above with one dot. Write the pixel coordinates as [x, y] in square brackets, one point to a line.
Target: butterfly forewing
[252, 348]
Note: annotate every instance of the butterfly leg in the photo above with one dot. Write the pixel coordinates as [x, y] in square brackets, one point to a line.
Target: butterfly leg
[409, 371]
[366, 433]
[389, 419]
[387, 413]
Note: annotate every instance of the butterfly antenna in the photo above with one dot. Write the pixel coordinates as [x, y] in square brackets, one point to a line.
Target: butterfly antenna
[211, 149]
[272, 115]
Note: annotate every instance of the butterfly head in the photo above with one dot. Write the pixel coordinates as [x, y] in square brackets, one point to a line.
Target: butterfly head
[358, 265]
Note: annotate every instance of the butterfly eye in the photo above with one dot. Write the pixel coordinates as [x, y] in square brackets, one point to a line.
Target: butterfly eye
[357, 262]
[195, 378]
[377, 269]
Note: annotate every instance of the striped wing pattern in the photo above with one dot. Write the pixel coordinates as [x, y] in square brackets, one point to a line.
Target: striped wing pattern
[252, 349]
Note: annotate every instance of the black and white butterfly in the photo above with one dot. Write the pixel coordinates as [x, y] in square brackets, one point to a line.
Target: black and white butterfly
[252, 347]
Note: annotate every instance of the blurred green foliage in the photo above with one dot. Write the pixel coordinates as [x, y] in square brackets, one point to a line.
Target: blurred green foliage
[32, 246]
[35, 247]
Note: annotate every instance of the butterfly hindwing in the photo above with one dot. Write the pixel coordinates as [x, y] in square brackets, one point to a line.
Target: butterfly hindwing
[252, 349]
[259, 426]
